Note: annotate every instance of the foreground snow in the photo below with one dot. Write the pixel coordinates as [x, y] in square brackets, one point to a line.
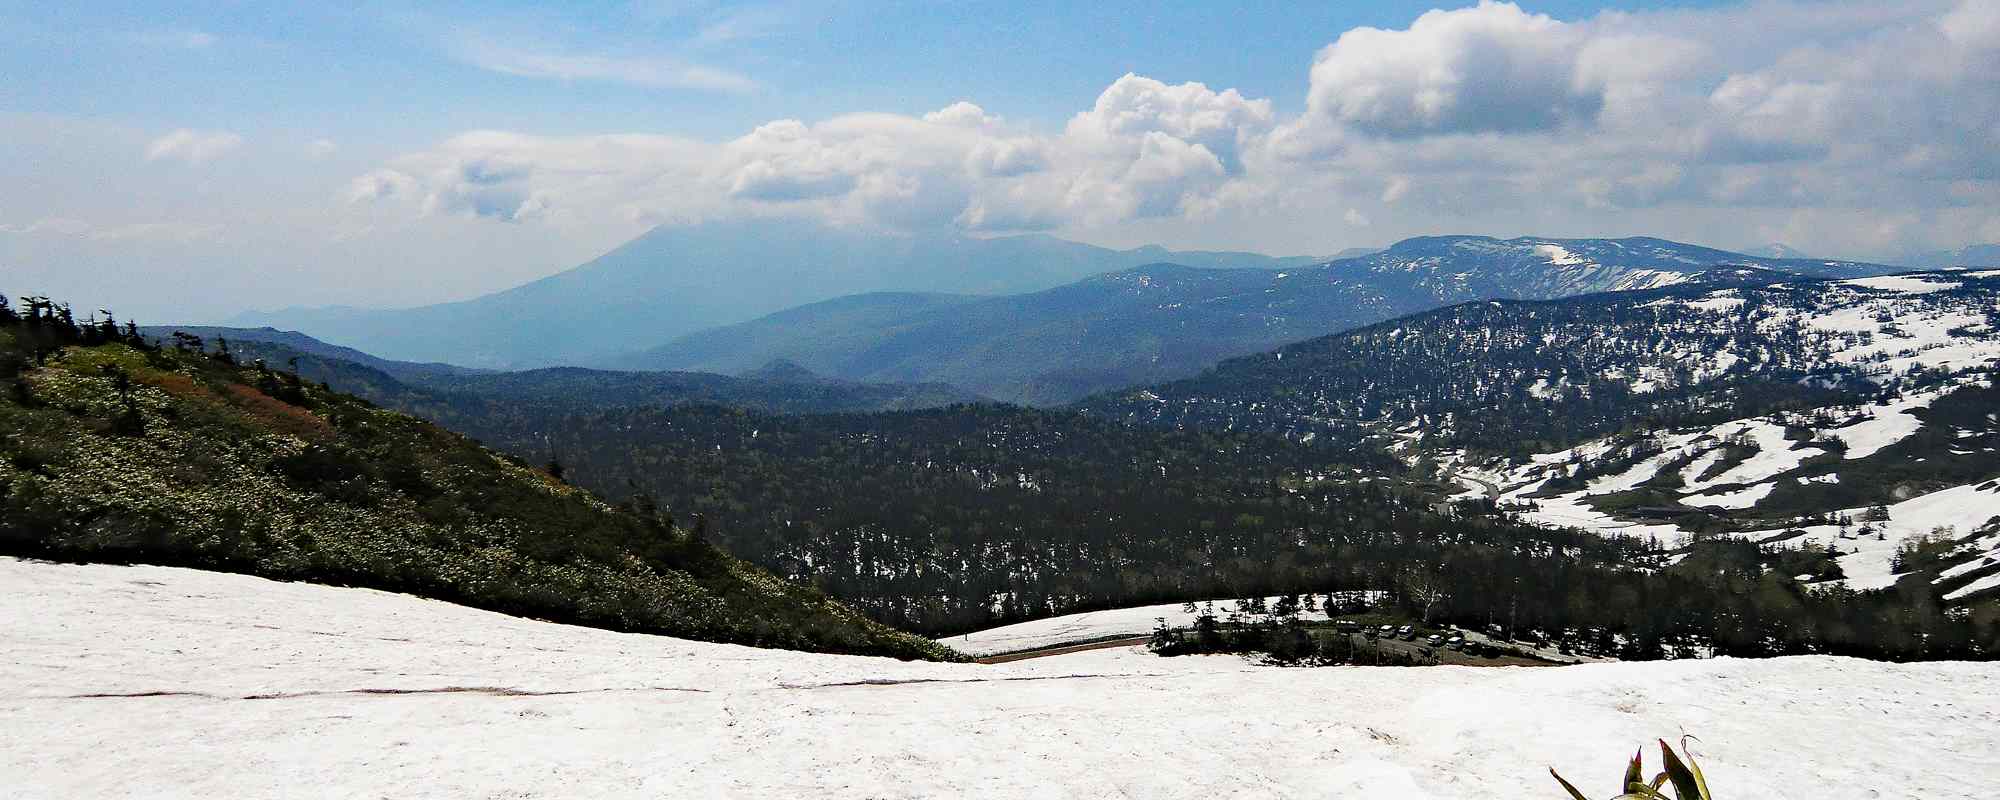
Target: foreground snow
[158, 682]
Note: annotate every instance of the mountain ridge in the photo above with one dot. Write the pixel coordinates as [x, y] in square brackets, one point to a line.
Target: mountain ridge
[676, 280]
[1161, 321]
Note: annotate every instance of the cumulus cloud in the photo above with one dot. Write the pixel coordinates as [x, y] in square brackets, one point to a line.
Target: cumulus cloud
[1766, 117]
[1493, 67]
[192, 146]
[1145, 149]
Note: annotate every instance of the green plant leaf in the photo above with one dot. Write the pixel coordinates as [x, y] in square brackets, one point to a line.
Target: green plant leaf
[1566, 785]
[1700, 781]
[1686, 787]
[1633, 773]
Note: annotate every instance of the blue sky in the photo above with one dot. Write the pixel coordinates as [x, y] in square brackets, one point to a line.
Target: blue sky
[277, 154]
[386, 72]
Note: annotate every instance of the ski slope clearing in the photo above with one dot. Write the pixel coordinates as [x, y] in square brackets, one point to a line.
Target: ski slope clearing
[160, 682]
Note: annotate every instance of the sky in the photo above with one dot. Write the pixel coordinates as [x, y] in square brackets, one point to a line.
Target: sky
[188, 161]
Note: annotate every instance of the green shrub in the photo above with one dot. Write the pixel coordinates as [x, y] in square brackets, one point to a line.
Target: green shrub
[1684, 776]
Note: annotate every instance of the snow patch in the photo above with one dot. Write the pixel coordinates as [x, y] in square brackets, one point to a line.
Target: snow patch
[1907, 284]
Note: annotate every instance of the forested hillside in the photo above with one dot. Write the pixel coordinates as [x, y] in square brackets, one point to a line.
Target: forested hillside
[1520, 377]
[120, 450]
[956, 518]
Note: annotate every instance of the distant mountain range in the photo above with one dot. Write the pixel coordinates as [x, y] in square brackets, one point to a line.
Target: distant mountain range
[677, 280]
[1776, 250]
[1978, 255]
[1162, 321]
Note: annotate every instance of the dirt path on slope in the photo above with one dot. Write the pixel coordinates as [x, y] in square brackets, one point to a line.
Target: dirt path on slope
[1062, 650]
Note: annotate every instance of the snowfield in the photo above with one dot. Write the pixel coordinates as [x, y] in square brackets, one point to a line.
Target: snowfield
[162, 682]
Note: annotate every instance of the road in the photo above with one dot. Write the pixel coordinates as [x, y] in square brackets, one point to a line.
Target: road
[1421, 650]
[1062, 650]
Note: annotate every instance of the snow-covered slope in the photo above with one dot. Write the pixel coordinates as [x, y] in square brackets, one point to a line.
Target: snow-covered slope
[1453, 268]
[159, 682]
[1763, 470]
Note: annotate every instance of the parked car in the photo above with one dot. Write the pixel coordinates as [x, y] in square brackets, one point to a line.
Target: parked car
[1455, 643]
[1434, 640]
[1407, 632]
[1387, 631]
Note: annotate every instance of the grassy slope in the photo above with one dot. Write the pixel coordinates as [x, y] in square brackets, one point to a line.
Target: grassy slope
[117, 453]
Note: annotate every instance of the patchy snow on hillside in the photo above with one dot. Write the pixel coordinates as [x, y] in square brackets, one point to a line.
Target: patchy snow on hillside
[1865, 431]
[1866, 558]
[1741, 498]
[1775, 454]
[1558, 256]
[1885, 426]
[159, 682]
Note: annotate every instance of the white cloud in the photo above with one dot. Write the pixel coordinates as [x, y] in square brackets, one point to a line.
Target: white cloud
[1146, 149]
[59, 226]
[739, 23]
[1716, 124]
[192, 146]
[652, 71]
[1493, 67]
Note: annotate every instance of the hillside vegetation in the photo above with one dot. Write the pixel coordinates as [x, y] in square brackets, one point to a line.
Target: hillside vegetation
[117, 450]
[1516, 377]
